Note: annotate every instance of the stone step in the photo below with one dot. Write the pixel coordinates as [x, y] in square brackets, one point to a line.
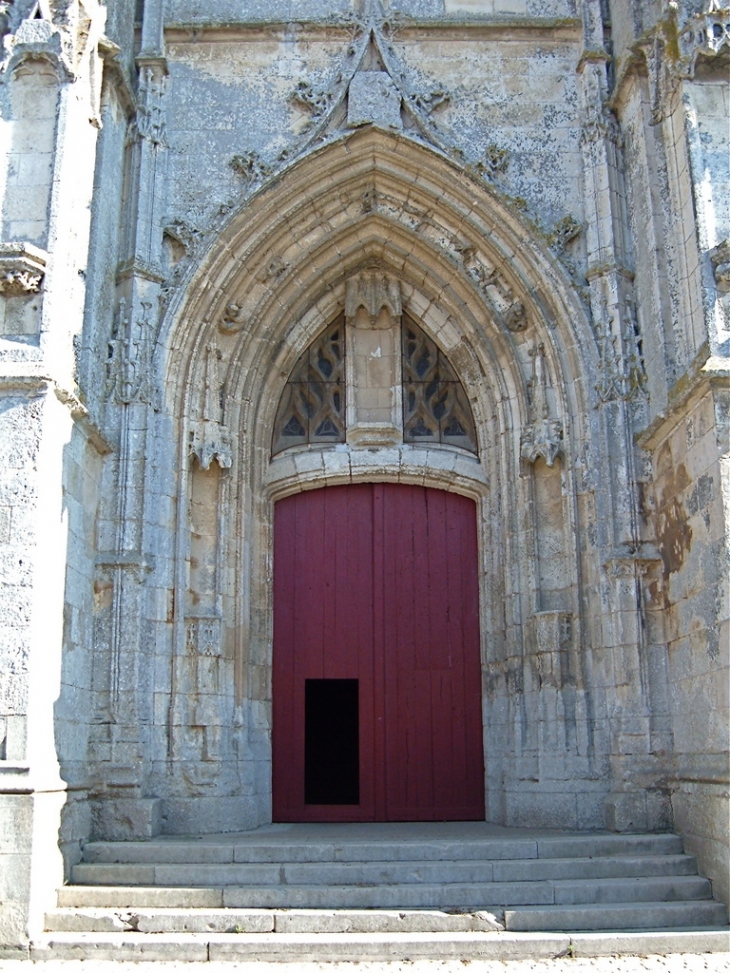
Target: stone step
[377, 946]
[625, 916]
[266, 920]
[415, 895]
[360, 873]
[263, 849]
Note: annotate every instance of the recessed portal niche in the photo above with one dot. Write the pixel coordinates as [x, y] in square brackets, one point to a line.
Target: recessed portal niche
[331, 741]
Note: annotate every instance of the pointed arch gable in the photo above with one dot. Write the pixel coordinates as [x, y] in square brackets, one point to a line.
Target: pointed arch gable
[375, 196]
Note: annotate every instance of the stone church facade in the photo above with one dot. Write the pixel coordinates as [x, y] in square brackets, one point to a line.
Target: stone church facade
[232, 235]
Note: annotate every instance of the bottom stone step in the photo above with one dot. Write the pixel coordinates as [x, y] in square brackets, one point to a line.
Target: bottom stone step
[632, 915]
[293, 947]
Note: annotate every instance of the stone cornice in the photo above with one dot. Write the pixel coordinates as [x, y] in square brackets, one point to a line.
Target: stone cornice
[705, 374]
[492, 28]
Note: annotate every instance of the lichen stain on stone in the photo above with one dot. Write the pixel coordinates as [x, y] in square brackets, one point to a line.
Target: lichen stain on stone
[673, 529]
[674, 536]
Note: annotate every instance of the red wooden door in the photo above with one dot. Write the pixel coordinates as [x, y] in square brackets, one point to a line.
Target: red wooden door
[378, 583]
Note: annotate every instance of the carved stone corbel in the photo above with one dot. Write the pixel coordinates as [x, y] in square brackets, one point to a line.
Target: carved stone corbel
[22, 268]
[543, 437]
[373, 291]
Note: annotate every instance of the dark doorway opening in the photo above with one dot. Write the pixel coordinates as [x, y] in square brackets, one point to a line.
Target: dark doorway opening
[331, 741]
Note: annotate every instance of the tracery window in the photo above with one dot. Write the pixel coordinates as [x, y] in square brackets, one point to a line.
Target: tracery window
[435, 406]
[312, 406]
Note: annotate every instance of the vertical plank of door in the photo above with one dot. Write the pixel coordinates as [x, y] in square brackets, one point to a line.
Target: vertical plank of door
[282, 677]
[443, 510]
[472, 679]
[382, 578]
[356, 623]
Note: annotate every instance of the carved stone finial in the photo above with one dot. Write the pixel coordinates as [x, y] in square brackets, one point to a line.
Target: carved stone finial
[543, 437]
[564, 232]
[494, 162]
[128, 377]
[622, 361]
[315, 100]
[374, 291]
[250, 167]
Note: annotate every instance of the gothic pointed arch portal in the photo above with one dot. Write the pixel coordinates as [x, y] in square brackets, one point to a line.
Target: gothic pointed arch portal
[372, 231]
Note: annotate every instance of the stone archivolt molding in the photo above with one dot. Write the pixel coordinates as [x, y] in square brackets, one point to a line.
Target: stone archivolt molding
[22, 268]
[429, 225]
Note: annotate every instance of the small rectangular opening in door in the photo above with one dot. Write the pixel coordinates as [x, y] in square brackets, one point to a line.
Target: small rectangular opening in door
[331, 741]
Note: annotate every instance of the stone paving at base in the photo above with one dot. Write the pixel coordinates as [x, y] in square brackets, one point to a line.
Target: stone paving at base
[676, 963]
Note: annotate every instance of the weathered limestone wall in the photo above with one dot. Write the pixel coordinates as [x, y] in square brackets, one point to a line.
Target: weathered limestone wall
[231, 95]
[47, 158]
[689, 601]
[677, 152]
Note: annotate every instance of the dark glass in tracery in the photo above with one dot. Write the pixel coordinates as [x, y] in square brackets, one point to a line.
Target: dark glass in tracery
[312, 406]
[435, 406]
